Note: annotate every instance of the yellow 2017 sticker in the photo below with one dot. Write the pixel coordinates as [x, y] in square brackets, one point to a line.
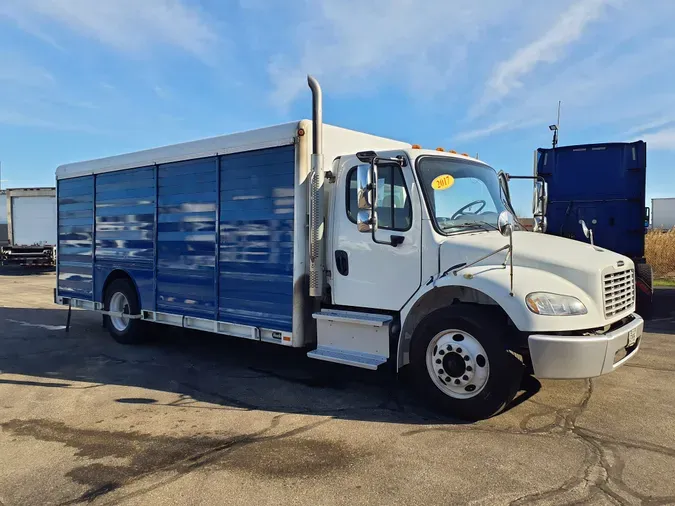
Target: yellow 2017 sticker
[443, 182]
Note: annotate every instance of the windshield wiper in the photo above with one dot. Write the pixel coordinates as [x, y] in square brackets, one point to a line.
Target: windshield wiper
[472, 224]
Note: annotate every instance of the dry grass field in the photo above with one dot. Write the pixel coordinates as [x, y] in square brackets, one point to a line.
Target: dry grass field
[660, 253]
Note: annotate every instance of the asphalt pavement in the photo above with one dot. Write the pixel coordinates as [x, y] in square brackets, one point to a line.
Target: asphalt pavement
[193, 418]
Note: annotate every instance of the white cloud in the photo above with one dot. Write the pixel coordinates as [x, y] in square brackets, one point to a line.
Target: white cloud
[133, 26]
[663, 139]
[19, 119]
[498, 127]
[16, 71]
[651, 125]
[359, 45]
[550, 47]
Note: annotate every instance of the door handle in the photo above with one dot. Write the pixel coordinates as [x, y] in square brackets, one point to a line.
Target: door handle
[342, 262]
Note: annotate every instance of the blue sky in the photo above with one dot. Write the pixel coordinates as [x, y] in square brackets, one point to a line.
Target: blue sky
[82, 79]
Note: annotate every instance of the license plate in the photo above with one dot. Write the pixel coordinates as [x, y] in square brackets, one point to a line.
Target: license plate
[632, 337]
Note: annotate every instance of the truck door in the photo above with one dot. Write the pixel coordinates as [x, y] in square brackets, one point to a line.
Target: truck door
[364, 273]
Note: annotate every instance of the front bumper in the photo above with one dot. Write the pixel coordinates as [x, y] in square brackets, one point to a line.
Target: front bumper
[573, 357]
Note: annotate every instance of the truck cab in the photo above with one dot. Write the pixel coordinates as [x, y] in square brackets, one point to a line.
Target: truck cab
[426, 266]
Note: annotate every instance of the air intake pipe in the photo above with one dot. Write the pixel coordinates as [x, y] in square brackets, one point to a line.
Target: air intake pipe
[316, 204]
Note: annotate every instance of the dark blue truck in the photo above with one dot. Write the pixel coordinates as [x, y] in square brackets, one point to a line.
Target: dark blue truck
[603, 186]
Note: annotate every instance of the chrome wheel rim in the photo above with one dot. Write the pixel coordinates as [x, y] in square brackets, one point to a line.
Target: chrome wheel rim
[119, 304]
[457, 364]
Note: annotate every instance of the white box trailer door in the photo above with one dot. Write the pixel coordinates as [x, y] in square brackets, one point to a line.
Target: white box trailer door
[33, 221]
[663, 213]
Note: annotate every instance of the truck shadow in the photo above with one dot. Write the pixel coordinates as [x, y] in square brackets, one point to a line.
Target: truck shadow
[226, 373]
[663, 316]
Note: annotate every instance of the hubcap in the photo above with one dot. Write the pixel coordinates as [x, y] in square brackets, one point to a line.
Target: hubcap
[119, 304]
[457, 364]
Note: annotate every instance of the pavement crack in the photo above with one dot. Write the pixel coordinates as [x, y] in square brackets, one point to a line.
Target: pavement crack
[649, 368]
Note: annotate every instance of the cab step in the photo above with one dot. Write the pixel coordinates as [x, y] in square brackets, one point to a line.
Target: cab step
[352, 338]
[353, 358]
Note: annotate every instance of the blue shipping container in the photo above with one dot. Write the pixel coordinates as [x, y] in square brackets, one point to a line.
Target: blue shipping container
[602, 184]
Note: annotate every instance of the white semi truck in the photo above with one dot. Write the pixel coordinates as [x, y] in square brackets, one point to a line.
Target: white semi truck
[363, 250]
[31, 226]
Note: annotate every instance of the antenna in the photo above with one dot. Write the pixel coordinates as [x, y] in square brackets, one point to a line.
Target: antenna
[555, 128]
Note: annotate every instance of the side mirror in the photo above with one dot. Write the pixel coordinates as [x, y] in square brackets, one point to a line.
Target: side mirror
[587, 231]
[364, 187]
[364, 221]
[540, 201]
[505, 223]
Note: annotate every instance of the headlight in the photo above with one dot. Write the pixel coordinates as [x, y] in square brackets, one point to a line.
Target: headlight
[552, 304]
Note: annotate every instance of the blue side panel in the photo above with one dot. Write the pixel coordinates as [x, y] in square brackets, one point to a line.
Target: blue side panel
[603, 184]
[125, 217]
[75, 228]
[186, 238]
[256, 238]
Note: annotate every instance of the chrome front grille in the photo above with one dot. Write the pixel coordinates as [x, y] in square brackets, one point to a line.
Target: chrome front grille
[619, 292]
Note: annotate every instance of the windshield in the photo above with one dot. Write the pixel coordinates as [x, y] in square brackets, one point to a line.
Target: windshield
[461, 194]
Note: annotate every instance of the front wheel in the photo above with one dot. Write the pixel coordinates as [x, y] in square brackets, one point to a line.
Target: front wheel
[462, 363]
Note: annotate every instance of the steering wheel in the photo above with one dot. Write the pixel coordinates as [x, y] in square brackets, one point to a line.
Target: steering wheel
[460, 212]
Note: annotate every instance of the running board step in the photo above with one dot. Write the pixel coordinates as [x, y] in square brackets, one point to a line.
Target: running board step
[370, 319]
[352, 338]
[353, 358]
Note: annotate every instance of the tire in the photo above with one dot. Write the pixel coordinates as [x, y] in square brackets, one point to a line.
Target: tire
[466, 331]
[121, 295]
[644, 300]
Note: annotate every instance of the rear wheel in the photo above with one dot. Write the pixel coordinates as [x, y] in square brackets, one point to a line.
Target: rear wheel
[644, 284]
[462, 363]
[120, 297]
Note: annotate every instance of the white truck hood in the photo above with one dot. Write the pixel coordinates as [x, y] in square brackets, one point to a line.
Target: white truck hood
[579, 263]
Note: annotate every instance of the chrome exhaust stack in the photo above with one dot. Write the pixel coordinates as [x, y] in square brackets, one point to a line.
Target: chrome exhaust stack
[316, 206]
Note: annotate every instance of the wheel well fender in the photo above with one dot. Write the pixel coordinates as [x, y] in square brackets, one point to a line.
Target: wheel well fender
[114, 276]
[434, 300]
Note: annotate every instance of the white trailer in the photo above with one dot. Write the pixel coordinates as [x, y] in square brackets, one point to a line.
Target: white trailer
[663, 213]
[383, 253]
[31, 226]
